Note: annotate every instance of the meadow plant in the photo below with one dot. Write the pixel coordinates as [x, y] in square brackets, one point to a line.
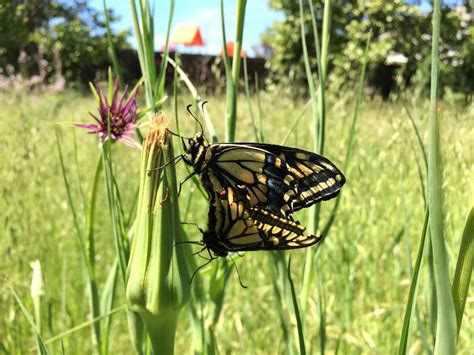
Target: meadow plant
[158, 280]
[117, 118]
[116, 122]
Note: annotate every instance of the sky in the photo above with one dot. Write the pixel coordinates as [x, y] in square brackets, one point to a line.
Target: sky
[205, 13]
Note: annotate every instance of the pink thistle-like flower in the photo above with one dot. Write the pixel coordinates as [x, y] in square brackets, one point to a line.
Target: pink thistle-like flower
[121, 114]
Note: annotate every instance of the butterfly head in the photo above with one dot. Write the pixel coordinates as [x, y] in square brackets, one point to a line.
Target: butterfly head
[195, 149]
[211, 241]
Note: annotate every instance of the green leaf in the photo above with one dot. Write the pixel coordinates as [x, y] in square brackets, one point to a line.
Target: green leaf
[462, 276]
[446, 316]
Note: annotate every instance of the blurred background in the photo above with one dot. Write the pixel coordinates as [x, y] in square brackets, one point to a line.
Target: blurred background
[64, 44]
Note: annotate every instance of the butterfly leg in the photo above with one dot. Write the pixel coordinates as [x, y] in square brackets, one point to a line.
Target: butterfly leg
[194, 224]
[200, 267]
[186, 179]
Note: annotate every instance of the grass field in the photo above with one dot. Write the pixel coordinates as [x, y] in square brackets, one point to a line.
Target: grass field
[363, 265]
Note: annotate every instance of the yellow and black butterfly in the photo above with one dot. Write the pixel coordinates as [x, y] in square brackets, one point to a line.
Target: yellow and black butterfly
[255, 187]
[279, 179]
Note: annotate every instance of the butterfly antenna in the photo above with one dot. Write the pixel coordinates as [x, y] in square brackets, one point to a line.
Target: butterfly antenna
[238, 273]
[177, 135]
[203, 113]
[175, 160]
[195, 118]
[174, 133]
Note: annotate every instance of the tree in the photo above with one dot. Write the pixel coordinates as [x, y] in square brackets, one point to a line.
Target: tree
[41, 33]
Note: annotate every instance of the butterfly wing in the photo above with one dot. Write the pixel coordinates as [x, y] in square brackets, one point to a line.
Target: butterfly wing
[276, 178]
[240, 227]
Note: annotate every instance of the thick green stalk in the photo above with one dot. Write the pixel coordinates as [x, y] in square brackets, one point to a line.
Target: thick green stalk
[146, 53]
[446, 321]
[160, 83]
[318, 110]
[112, 51]
[326, 35]
[231, 106]
[230, 88]
[157, 275]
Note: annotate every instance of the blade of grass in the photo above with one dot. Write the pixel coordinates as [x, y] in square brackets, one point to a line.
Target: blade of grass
[84, 247]
[326, 35]
[322, 318]
[184, 77]
[143, 50]
[160, 83]
[247, 95]
[41, 343]
[230, 88]
[106, 304]
[313, 211]
[111, 47]
[352, 136]
[418, 135]
[295, 124]
[462, 275]
[232, 119]
[411, 302]
[446, 320]
[85, 324]
[277, 267]
[299, 325]
[260, 111]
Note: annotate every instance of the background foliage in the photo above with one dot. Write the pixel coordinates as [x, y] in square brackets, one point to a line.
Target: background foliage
[397, 27]
[42, 37]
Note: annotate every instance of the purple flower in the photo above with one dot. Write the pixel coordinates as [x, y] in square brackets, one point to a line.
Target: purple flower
[122, 116]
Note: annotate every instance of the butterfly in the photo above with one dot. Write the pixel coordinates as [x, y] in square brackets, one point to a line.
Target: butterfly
[255, 188]
[234, 225]
[279, 179]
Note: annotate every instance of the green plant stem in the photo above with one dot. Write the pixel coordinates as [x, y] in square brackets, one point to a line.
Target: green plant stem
[446, 320]
[247, 95]
[299, 324]
[312, 227]
[232, 118]
[319, 127]
[160, 83]
[326, 35]
[112, 51]
[411, 302]
[94, 299]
